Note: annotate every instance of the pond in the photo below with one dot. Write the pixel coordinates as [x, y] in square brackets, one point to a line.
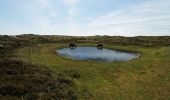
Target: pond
[95, 54]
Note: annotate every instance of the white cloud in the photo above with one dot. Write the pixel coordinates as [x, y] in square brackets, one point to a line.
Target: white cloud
[73, 12]
[44, 3]
[72, 26]
[149, 18]
[70, 2]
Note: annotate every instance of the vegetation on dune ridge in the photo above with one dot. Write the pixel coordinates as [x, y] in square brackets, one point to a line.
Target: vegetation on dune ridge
[30, 69]
[28, 39]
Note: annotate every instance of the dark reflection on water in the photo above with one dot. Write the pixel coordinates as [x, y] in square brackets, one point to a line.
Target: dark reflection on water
[94, 54]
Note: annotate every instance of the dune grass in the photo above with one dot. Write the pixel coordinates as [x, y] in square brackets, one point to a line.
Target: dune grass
[25, 81]
[144, 78]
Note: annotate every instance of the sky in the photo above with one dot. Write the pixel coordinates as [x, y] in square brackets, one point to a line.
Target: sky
[85, 17]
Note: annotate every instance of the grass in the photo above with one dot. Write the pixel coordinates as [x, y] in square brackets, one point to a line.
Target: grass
[144, 78]
[25, 81]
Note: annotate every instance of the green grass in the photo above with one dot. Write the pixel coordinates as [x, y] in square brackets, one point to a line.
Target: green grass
[144, 78]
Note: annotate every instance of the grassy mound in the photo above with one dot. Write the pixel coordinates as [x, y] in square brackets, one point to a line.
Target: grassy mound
[32, 82]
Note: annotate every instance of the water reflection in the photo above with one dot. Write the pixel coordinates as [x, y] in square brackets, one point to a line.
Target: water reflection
[94, 54]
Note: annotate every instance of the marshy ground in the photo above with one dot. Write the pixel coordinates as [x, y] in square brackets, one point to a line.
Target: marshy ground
[37, 71]
[146, 77]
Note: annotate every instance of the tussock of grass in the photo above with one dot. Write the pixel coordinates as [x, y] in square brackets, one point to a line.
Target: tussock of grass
[72, 73]
[32, 82]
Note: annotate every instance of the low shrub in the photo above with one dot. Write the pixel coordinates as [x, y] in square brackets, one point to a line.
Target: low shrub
[34, 82]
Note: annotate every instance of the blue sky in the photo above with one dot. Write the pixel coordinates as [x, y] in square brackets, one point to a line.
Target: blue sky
[85, 17]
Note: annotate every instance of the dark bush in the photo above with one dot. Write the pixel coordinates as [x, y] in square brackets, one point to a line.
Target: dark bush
[34, 81]
[11, 90]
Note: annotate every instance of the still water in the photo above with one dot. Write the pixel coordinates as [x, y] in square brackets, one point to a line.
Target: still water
[94, 54]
